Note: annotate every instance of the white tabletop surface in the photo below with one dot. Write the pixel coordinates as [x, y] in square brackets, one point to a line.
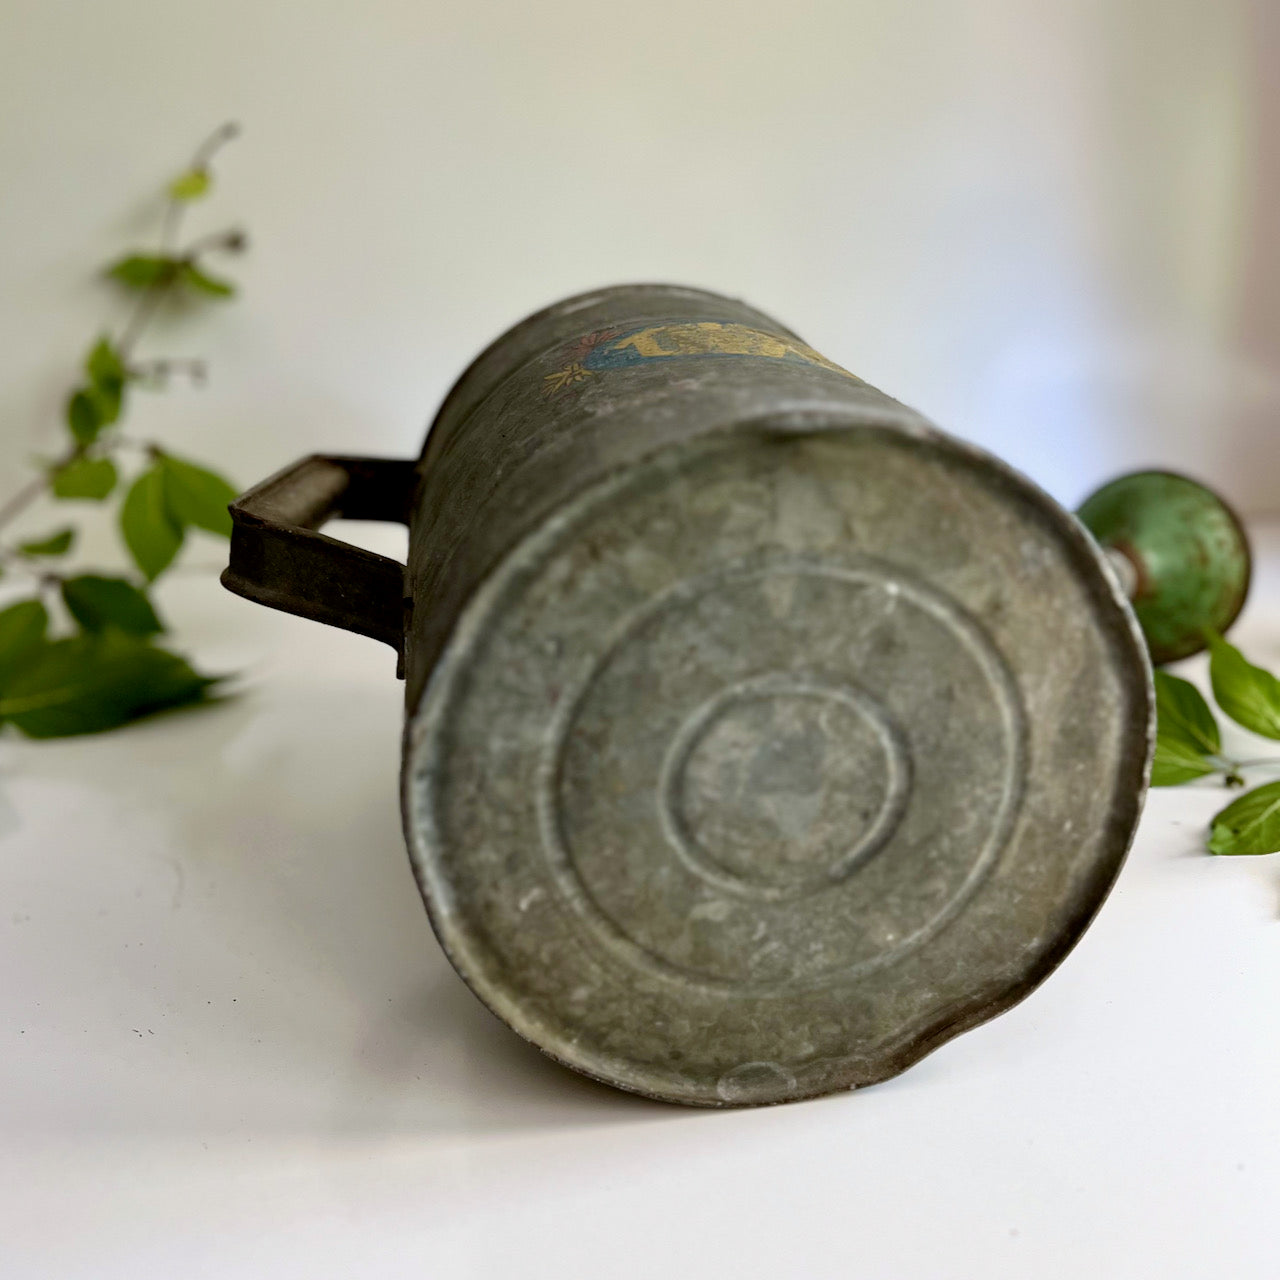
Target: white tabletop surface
[233, 1048]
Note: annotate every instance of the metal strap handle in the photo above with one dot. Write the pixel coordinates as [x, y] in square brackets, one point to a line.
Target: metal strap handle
[280, 559]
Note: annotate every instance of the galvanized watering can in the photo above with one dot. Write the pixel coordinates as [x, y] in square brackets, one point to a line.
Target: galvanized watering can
[759, 737]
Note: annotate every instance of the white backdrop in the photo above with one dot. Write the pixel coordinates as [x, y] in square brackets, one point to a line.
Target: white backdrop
[231, 1047]
[1049, 224]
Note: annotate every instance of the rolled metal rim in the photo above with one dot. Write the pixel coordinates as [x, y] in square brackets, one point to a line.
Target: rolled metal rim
[426, 754]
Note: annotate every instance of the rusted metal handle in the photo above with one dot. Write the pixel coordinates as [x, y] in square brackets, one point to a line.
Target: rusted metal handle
[280, 559]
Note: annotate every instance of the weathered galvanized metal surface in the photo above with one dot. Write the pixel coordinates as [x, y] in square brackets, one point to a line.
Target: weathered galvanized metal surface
[759, 737]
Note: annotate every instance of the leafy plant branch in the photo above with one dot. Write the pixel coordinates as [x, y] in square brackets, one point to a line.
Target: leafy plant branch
[1189, 745]
[108, 669]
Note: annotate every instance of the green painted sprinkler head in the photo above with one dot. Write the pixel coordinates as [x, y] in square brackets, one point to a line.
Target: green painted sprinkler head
[1180, 551]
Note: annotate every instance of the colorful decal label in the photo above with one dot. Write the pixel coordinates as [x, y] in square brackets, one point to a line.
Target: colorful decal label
[703, 339]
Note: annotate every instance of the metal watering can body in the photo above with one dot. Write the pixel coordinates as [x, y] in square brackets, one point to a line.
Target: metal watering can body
[759, 737]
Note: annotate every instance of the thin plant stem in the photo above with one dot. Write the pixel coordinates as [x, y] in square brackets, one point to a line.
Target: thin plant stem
[22, 499]
[142, 314]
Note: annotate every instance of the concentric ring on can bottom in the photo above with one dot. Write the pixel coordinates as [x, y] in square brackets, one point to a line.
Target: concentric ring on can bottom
[512, 931]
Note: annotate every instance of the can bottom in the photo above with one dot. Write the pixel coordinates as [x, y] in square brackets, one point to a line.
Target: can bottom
[768, 765]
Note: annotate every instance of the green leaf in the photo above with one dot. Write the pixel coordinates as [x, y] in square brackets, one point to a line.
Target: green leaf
[1248, 694]
[56, 544]
[150, 532]
[1186, 733]
[104, 365]
[107, 399]
[1250, 824]
[190, 185]
[1182, 712]
[92, 478]
[143, 270]
[91, 408]
[98, 404]
[93, 682]
[22, 632]
[195, 496]
[97, 603]
[85, 415]
[1174, 762]
[203, 282]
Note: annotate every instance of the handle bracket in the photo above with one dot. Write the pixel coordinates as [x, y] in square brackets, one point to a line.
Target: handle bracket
[280, 559]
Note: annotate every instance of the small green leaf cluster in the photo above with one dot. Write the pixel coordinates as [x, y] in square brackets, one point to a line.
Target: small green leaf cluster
[81, 654]
[168, 498]
[97, 402]
[1189, 744]
[106, 675]
[157, 271]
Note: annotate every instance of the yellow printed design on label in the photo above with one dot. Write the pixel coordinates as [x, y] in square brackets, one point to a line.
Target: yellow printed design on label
[618, 349]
